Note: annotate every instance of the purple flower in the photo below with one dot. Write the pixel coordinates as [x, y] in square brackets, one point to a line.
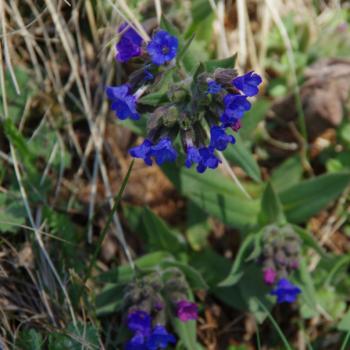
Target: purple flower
[163, 151]
[129, 45]
[162, 48]
[294, 264]
[123, 103]
[213, 87]
[142, 151]
[285, 291]
[140, 321]
[186, 310]
[235, 107]
[137, 342]
[193, 156]
[236, 125]
[208, 159]
[269, 275]
[160, 338]
[219, 139]
[248, 83]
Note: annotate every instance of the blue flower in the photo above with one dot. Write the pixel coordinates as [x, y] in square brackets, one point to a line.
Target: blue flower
[160, 338]
[208, 159]
[129, 45]
[219, 139]
[162, 48]
[285, 291]
[235, 107]
[193, 156]
[248, 83]
[163, 151]
[123, 103]
[140, 321]
[142, 151]
[148, 76]
[213, 87]
[137, 342]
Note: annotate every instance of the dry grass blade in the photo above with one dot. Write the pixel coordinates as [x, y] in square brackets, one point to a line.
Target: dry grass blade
[6, 48]
[67, 42]
[38, 236]
[241, 10]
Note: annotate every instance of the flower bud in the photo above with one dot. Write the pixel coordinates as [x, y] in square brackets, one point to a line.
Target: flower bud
[280, 258]
[171, 116]
[225, 76]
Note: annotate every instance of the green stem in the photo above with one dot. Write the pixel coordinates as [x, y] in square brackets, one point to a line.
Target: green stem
[103, 234]
[345, 342]
[274, 323]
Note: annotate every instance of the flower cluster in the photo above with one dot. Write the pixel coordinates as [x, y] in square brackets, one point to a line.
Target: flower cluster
[145, 337]
[149, 301]
[281, 250]
[200, 111]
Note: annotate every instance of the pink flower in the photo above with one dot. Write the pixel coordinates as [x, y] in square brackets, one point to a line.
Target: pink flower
[236, 125]
[186, 310]
[269, 275]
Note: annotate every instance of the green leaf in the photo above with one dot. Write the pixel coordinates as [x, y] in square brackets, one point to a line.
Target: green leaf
[307, 198]
[160, 236]
[253, 117]
[16, 103]
[217, 195]
[64, 228]
[136, 126]
[73, 338]
[12, 214]
[199, 70]
[229, 62]
[244, 295]
[193, 277]
[184, 48]
[333, 303]
[236, 271]
[187, 333]
[26, 152]
[195, 53]
[307, 286]
[29, 340]
[169, 27]
[198, 227]
[271, 208]
[212, 266]
[154, 99]
[200, 10]
[309, 241]
[123, 274]
[344, 324]
[289, 173]
[110, 299]
[239, 154]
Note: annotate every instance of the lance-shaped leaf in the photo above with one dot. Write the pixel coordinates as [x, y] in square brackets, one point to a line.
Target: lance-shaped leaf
[271, 208]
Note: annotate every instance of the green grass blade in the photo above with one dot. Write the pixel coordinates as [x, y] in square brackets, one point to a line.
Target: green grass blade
[117, 199]
[345, 342]
[274, 323]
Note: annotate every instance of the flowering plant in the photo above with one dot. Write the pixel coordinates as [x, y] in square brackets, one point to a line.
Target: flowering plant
[198, 110]
[148, 303]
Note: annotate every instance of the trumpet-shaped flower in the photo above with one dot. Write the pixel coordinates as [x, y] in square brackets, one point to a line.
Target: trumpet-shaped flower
[162, 48]
[129, 44]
